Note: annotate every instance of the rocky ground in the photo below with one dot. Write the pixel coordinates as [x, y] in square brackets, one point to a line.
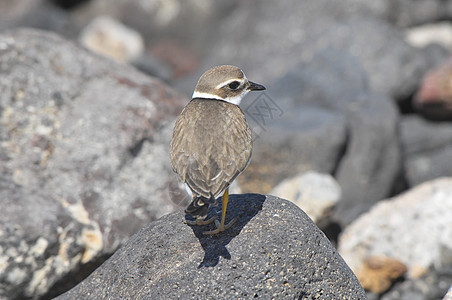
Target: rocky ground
[355, 127]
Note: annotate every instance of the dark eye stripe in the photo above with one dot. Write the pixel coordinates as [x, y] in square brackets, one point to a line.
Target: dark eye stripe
[234, 85]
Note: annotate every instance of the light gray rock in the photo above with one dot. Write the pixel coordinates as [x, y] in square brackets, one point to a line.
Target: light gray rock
[448, 296]
[111, 38]
[414, 228]
[83, 159]
[423, 35]
[315, 193]
[274, 251]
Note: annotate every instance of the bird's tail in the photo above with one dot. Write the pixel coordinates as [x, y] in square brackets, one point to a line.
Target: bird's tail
[199, 207]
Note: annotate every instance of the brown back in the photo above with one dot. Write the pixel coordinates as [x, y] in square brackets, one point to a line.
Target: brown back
[211, 145]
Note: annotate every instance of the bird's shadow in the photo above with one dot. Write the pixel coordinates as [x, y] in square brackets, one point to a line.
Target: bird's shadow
[240, 207]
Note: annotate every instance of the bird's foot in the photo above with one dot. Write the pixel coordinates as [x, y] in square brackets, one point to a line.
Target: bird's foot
[201, 222]
[220, 227]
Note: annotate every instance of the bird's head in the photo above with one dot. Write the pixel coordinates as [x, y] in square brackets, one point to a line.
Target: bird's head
[226, 83]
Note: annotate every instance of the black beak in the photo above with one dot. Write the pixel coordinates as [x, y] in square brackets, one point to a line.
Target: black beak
[255, 87]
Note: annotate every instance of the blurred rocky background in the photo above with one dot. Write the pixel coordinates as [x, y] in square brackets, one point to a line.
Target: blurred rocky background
[355, 127]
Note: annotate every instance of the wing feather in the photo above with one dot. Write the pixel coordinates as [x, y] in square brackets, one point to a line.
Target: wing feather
[211, 146]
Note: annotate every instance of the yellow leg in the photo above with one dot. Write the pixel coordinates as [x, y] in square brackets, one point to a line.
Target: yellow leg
[220, 226]
[224, 205]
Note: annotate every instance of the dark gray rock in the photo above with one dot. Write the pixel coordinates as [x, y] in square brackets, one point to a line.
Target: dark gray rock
[251, 38]
[419, 135]
[282, 149]
[427, 148]
[295, 130]
[434, 97]
[402, 12]
[408, 13]
[273, 251]
[339, 65]
[392, 66]
[329, 126]
[83, 158]
[153, 66]
[39, 14]
[182, 20]
[371, 162]
[431, 286]
[331, 80]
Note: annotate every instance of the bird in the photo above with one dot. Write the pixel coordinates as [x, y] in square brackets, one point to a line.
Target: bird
[212, 142]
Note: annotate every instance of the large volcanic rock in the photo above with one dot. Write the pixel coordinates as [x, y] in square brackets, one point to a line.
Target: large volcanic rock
[274, 251]
[83, 158]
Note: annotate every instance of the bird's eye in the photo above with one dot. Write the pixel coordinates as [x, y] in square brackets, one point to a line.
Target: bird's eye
[234, 85]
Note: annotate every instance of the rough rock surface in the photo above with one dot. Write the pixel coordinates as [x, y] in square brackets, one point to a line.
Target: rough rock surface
[273, 251]
[414, 228]
[83, 158]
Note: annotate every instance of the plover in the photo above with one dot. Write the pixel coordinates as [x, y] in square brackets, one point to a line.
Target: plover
[212, 141]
